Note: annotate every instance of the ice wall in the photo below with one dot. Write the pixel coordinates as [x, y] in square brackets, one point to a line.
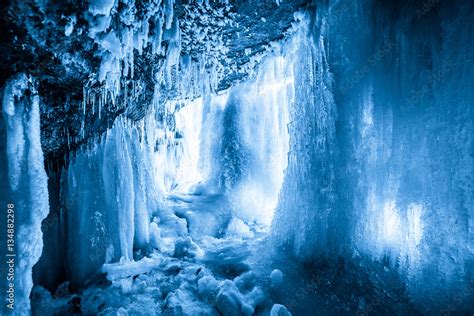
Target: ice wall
[307, 215]
[381, 146]
[109, 195]
[26, 194]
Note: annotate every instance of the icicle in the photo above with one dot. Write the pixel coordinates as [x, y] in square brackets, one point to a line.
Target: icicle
[101, 101]
[169, 12]
[158, 35]
[93, 105]
[129, 49]
[68, 139]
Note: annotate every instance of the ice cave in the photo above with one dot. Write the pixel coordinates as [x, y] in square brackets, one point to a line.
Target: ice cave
[237, 157]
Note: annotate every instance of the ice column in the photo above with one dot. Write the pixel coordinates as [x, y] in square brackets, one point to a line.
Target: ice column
[27, 182]
[108, 194]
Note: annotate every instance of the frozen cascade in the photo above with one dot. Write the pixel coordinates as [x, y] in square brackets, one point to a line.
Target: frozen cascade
[381, 150]
[308, 198]
[136, 167]
[120, 32]
[337, 175]
[236, 143]
[27, 191]
[107, 221]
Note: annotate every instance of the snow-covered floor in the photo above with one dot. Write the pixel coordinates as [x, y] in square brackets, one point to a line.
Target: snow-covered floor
[212, 272]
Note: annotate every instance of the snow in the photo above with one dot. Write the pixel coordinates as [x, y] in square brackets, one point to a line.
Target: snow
[125, 269]
[208, 287]
[163, 190]
[307, 203]
[123, 197]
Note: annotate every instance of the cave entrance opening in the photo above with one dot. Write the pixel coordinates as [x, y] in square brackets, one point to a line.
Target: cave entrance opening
[223, 160]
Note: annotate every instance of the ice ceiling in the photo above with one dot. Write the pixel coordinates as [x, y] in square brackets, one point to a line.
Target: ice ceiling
[240, 157]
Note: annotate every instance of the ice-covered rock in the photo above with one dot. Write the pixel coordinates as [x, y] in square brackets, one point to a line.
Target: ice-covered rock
[229, 300]
[101, 7]
[276, 278]
[185, 247]
[279, 310]
[208, 288]
[246, 281]
[114, 213]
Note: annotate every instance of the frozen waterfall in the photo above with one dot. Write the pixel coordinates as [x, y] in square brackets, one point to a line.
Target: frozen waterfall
[240, 158]
[380, 168]
[24, 192]
[231, 147]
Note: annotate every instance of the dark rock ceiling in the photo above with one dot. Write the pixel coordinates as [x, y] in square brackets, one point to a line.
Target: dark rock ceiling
[34, 41]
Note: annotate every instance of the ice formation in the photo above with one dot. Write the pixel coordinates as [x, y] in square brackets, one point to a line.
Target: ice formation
[116, 215]
[138, 169]
[380, 162]
[337, 175]
[119, 30]
[27, 192]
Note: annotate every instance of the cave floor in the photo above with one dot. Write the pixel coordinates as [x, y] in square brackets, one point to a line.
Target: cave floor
[225, 275]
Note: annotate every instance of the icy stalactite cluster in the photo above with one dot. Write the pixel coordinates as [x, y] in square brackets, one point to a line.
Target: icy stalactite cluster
[27, 181]
[124, 29]
[150, 197]
[183, 148]
[380, 162]
[104, 224]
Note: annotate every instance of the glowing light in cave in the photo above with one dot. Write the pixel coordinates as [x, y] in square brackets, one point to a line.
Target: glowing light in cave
[391, 222]
[415, 225]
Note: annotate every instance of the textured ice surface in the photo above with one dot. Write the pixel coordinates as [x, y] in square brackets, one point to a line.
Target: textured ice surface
[374, 131]
[279, 310]
[212, 167]
[149, 197]
[381, 150]
[26, 187]
[111, 217]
